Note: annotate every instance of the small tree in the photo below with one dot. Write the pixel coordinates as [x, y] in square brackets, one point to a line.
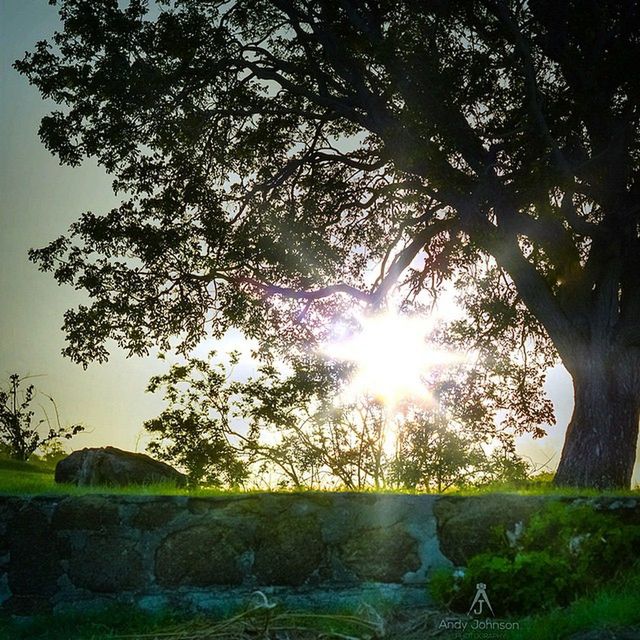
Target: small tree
[436, 452]
[52, 452]
[326, 444]
[20, 435]
[433, 455]
[195, 431]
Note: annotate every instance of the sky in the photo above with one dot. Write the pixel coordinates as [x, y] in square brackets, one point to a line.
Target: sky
[39, 200]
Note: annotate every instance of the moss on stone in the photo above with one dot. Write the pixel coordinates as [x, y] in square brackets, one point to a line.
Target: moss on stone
[154, 514]
[86, 512]
[202, 555]
[466, 526]
[289, 549]
[381, 555]
[34, 564]
[108, 565]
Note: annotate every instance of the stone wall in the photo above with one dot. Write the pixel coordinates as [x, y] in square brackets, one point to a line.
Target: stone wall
[213, 553]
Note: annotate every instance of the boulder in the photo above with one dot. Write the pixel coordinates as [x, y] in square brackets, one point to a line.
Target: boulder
[115, 467]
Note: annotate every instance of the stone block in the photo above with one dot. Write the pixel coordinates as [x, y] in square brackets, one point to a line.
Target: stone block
[154, 515]
[467, 526]
[108, 565]
[202, 555]
[34, 564]
[381, 555]
[288, 551]
[86, 512]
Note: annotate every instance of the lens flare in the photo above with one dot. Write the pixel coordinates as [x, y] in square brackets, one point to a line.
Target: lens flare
[393, 358]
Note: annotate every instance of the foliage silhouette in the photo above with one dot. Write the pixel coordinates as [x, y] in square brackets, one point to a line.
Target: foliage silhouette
[20, 436]
[270, 153]
[293, 427]
[195, 431]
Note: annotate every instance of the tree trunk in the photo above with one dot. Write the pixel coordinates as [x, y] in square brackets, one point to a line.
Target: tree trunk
[600, 444]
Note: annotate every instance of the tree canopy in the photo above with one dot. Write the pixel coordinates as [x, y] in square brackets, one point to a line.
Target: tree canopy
[271, 153]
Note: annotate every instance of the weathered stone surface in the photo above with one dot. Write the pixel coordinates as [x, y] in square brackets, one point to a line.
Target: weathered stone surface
[289, 550]
[202, 555]
[236, 503]
[466, 526]
[381, 555]
[84, 551]
[34, 563]
[111, 466]
[70, 541]
[627, 510]
[108, 565]
[8, 508]
[20, 605]
[86, 512]
[154, 515]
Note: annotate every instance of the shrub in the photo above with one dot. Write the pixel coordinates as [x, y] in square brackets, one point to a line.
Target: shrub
[20, 435]
[564, 552]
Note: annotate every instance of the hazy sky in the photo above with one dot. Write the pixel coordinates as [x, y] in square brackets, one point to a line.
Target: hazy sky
[39, 199]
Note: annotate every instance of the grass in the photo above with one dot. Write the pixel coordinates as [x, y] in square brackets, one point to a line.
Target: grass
[36, 478]
[125, 622]
[614, 606]
[18, 477]
[101, 625]
[543, 487]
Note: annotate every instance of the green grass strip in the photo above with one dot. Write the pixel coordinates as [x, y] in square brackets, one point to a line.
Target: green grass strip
[612, 607]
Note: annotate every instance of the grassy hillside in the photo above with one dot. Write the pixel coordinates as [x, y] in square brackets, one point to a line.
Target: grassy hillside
[25, 477]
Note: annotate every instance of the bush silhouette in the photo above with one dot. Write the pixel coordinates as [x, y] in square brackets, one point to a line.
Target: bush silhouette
[20, 434]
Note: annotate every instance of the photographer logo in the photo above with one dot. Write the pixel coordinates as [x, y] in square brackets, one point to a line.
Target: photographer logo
[480, 606]
[481, 599]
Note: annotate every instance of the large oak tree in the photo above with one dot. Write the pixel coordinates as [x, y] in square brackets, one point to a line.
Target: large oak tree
[278, 149]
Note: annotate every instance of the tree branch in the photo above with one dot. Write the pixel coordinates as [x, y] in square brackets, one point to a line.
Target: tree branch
[504, 16]
[375, 297]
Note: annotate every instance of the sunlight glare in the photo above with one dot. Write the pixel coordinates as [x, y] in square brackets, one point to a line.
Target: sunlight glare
[393, 356]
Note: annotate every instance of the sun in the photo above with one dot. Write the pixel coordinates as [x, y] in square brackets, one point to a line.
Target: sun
[393, 357]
